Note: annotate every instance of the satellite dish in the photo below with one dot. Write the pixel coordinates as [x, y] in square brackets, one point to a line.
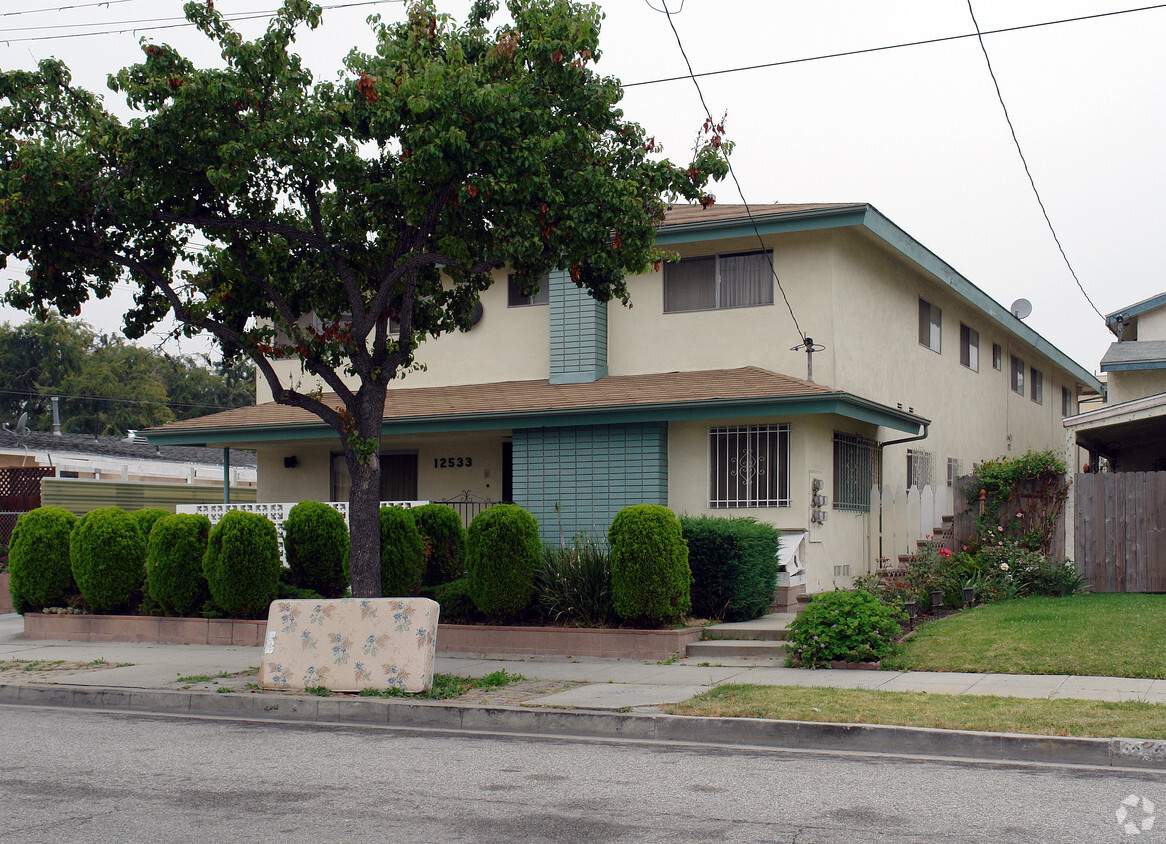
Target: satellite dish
[22, 423]
[1021, 308]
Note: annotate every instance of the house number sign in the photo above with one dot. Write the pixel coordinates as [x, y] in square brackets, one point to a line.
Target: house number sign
[452, 462]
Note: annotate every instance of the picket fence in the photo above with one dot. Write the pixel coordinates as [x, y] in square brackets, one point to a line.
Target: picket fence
[899, 518]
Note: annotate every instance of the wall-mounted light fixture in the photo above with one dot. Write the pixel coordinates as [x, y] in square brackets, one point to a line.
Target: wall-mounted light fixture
[290, 462]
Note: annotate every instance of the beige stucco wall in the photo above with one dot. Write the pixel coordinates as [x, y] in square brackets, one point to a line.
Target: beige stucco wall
[1133, 384]
[507, 344]
[1152, 324]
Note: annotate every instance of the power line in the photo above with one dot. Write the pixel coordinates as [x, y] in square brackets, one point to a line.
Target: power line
[151, 25]
[886, 47]
[740, 192]
[1024, 161]
[66, 8]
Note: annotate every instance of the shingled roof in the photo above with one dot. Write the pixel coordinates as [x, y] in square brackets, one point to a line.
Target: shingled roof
[529, 397]
[119, 447]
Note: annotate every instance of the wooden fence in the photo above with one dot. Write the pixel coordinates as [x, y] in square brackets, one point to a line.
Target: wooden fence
[899, 518]
[1119, 530]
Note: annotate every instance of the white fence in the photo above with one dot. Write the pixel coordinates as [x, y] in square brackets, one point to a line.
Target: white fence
[899, 518]
[276, 511]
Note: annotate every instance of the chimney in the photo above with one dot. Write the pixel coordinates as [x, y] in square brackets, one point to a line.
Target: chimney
[56, 416]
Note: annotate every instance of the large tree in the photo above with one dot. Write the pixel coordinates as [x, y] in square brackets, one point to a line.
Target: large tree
[381, 203]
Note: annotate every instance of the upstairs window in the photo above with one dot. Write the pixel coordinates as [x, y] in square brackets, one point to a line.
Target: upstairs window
[1066, 402]
[739, 280]
[749, 466]
[1037, 385]
[970, 347]
[930, 326]
[515, 298]
[1017, 375]
[997, 356]
[954, 470]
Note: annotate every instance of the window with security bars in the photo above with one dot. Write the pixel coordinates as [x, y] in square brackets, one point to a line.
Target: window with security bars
[855, 472]
[749, 466]
[953, 470]
[920, 467]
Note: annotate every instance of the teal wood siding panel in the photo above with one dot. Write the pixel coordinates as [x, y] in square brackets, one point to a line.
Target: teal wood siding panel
[578, 330]
[589, 473]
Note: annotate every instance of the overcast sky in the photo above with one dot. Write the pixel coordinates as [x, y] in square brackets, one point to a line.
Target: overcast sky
[917, 131]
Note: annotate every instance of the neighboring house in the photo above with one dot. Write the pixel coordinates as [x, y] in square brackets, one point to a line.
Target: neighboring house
[1129, 429]
[131, 458]
[694, 398]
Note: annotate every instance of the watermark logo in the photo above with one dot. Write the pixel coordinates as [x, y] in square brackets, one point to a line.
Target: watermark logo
[1134, 820]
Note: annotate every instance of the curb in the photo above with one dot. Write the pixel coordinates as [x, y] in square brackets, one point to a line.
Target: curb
[752, 732]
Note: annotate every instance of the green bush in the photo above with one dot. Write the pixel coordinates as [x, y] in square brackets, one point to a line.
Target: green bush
[445, 538]
[734, 566]
[40, 574]
[147, 518]
[850, 626]
[574, 584]
[315, 539]
[242, 565]
[402, 553]
[650, 576]
[108, 555]
[502, 551]
[174, 554]
[455, 601]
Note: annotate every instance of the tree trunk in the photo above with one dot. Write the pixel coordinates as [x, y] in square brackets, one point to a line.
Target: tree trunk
[364, 527]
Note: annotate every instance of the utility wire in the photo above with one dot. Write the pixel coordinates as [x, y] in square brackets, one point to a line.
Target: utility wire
[886, 47]
[65, 8]
[1024, 161]
[151, 25]
[740, 192]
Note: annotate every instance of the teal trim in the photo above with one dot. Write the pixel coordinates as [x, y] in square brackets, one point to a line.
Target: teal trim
[829, 218]
[575, 479]
[839, 404]
[1136, 309]
[1130, 367]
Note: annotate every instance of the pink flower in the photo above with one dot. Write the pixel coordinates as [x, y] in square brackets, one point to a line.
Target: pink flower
[945, 553]
[965, 548]
[1020, 515]
[1001, 528]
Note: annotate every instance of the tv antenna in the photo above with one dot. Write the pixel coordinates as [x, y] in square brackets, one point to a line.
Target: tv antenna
[1021, 308]
[21, 432]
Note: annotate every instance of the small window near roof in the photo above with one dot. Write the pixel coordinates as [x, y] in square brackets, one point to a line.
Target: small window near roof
[517, 299]
[1017, 375]
[1066, 402]
[997, 356]
[970, 347]
[930, 326]
[1037, 388]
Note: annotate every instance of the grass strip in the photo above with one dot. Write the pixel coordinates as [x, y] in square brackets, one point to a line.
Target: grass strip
[1096, 635]
[1035, 716]
[449, 686]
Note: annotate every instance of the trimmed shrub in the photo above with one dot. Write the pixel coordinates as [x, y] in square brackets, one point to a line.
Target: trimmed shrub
[502, 551]
[574, 584]
[174, 554]
[734, 566]
[402, 553]
[455, 601]
[441, 528]
[108, 555]
[850, 626]
[40, 574]
[316, 541]
[146, 519]
[650, 577]
[241, 565]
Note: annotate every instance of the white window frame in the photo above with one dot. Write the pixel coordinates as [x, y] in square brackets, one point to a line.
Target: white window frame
[748, 466]
[930, 326]
[920, 468]
[718, 282]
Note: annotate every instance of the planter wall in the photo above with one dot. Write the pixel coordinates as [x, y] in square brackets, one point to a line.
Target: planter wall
[452, 639]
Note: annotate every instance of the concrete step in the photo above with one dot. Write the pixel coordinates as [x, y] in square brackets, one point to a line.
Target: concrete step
[737, 648]
[768, 634]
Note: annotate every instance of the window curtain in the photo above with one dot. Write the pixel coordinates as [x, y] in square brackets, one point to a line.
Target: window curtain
[690, 285]
[746, 280]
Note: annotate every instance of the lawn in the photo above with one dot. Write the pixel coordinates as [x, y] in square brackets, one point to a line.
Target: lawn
[1064, 717]
[1101, 635]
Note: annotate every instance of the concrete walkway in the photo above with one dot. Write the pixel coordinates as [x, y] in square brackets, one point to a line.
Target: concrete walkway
[607, 684]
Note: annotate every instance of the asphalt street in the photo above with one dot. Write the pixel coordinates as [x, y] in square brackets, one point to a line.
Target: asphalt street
[69, 775]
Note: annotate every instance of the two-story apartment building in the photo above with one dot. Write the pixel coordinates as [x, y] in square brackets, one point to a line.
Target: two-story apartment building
[700, 396]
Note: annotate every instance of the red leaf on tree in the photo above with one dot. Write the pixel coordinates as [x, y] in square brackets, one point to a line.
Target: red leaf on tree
[557, 56]
[175, 83]
[367, 87]
[707, 201]
[472, 191]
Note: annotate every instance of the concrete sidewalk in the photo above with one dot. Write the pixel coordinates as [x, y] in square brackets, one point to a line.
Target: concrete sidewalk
[608, 684]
